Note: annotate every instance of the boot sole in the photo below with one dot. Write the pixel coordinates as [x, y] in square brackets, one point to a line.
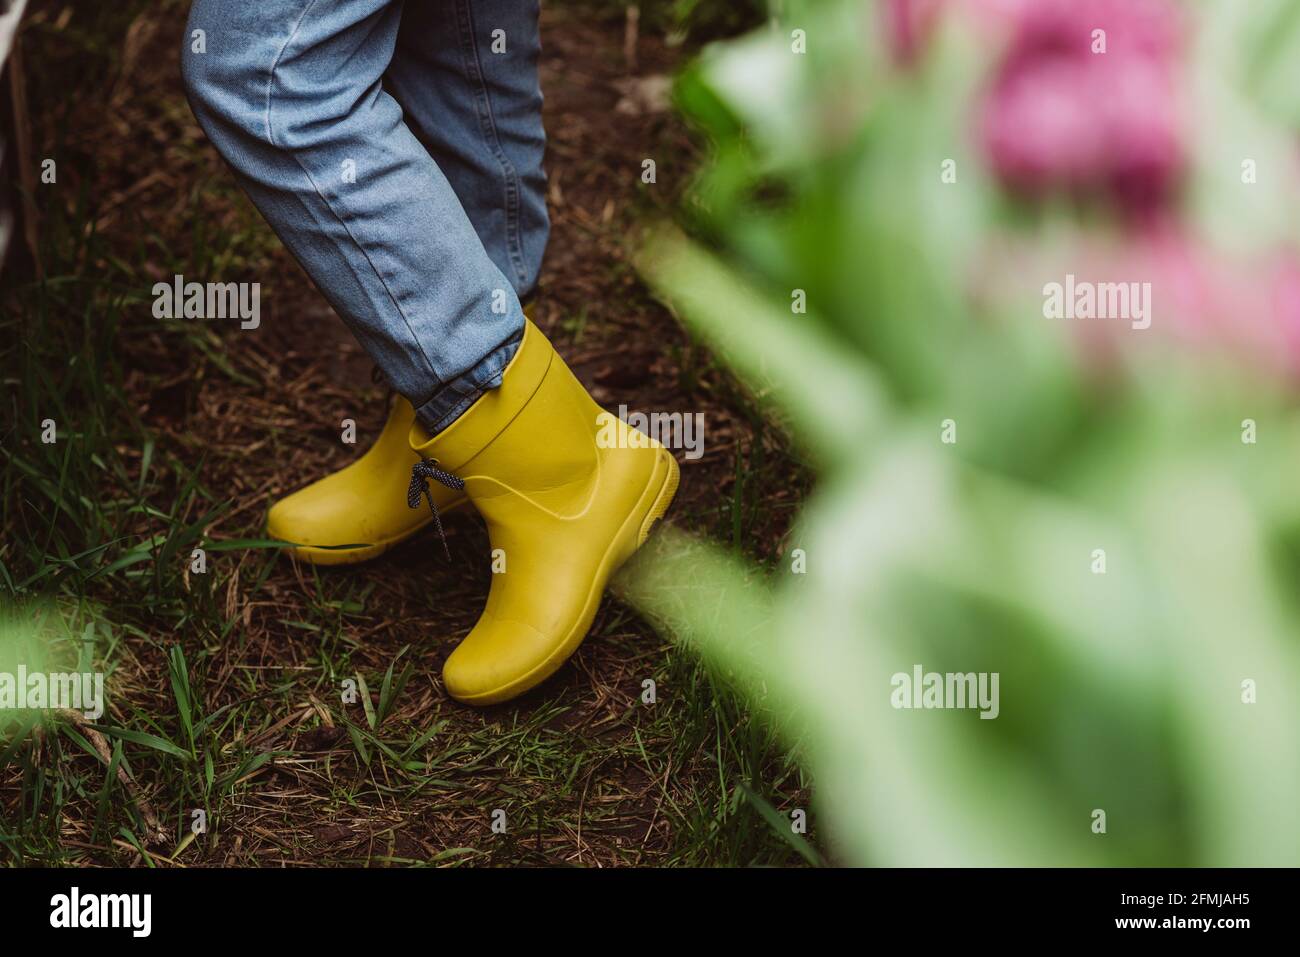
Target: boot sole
[317, 555]
[650, 508]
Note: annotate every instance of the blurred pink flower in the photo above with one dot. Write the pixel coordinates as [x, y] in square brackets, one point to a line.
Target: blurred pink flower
[1244, 308]
[1284, 291]
[1241, 307]
[1060, 116]
[908, 24]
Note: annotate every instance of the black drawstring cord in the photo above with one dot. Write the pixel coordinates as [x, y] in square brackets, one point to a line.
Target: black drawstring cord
[421, 472]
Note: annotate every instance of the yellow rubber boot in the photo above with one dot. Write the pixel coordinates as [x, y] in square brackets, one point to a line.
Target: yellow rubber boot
[362, 504]
[568, 492]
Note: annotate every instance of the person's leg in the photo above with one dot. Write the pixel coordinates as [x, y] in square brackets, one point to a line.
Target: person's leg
[292, 97]
[465, 74]
[289, 91]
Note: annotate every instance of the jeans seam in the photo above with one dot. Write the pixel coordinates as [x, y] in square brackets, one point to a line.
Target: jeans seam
[487, 124]
[270, 74]
[270, 135]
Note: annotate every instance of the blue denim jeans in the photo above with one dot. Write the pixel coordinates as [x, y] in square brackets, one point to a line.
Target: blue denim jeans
[396, 149]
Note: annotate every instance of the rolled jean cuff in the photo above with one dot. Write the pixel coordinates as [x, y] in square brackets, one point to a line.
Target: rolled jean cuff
[455, 397]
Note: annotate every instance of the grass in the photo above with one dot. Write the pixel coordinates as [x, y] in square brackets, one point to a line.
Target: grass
[296, 712]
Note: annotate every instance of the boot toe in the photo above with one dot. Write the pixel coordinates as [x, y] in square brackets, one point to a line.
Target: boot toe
[289, 521]
[500, 659]
[319, 515]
